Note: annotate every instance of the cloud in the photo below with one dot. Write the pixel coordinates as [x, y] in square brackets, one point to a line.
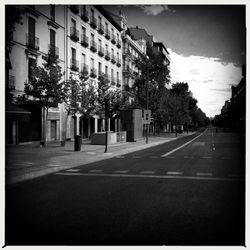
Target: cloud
[155, 9]
[209, 79]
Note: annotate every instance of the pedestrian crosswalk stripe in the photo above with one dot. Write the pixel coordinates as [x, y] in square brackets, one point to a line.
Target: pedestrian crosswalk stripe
[95, 171]
[175, 173]
[73, 170]
[147, 172]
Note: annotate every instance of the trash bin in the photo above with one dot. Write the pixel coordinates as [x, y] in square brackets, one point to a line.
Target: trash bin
[78, 143]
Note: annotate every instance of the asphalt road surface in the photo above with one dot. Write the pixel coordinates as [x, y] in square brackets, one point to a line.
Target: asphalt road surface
[186, 192]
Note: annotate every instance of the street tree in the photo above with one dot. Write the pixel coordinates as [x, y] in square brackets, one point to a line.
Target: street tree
[46, 88]
[108, 103]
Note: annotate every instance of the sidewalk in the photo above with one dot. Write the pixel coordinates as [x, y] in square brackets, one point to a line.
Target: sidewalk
[29, 161]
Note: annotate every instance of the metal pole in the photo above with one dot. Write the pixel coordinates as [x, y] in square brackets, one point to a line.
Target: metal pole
[147, 108]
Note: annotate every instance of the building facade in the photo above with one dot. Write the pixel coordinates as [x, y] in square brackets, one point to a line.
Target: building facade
[42, 30]
[93, 46]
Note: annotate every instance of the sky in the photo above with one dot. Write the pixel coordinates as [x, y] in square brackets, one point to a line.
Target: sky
[206, 45]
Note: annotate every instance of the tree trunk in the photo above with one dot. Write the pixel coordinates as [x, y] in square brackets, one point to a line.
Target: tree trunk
[106, 135]
[45, 119]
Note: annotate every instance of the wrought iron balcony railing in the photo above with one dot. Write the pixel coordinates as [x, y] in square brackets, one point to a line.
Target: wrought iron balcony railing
[32, 41]
[84, 69]
[84, 15]
[113, 59]
[113, 81]
[53, 50]
[118, 43]
[93, 46]
[101, 51]
[93, 22]
[107, 55]
[74, 34]
[113, 39]
[93, 72]
[74, 64]
[100, 28]
[84, 41]
[107, 34]
[118, 83]
[118, 62]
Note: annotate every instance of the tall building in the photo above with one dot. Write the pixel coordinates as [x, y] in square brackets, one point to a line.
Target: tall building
[93, 46]
[42, 30]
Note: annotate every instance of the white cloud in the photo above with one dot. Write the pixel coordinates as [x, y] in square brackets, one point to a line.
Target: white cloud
[154, 9]
[209, 79]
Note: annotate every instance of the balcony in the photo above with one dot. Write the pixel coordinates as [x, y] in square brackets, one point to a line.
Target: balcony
[126, 52]
[113, 39]
[93, 46]
[107, 34]
[84, 69]
[100, 28]
[107, 77]
[84, 15]
[118, 83]
[32, 42]
[113, 81]
[11, 83]
[74, 64]
[107, 55]
[113, 60]
[127, 70]
[53, 50]
[74, 9]
[74, 34]
[93, 73]
[84, 41]
[118, 43]
[93, 22]
[100, 51]
[118, 62]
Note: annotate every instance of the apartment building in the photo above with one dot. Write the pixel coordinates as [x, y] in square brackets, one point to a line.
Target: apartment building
[42, 30]
[93, 46]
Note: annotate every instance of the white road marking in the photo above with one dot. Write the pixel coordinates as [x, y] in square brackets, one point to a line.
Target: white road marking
[121, 171]
[95, 171]
[207, 157]
[185, 144]
[147, 172]
[73, 170]
[170, 157]
[175, 173]
[91, 153]
[53, 165]
[204, 174]
[213, 149]
[153, 176]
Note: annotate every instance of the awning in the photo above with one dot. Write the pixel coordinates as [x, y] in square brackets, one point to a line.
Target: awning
[17, 114]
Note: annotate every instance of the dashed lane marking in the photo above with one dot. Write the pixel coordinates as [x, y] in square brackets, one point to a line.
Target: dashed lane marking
[175, 173]
[53, 165]
[95, 171]
[204, 174]
[185, 144]
[121, 171]
[204, 178]
[73, 170]
[147, 172]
